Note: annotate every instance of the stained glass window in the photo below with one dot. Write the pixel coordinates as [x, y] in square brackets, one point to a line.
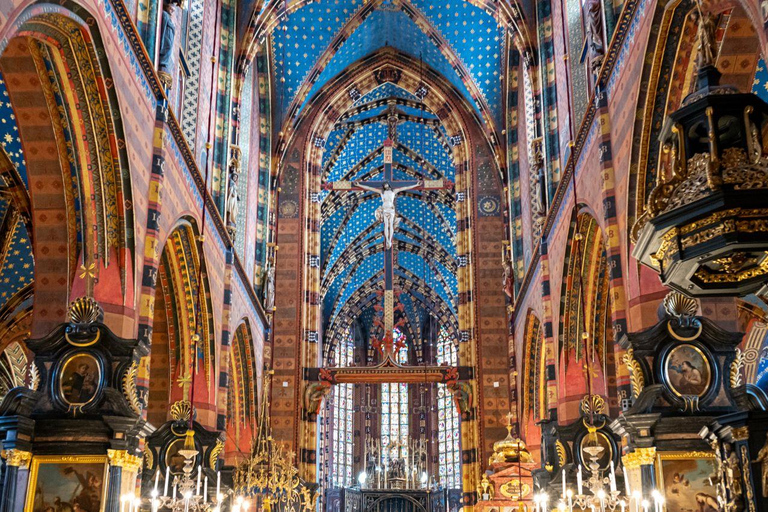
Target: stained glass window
[342, 396]
[394, 408]
[448, 432]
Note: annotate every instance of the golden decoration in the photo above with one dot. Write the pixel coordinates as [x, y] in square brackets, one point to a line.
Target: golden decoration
[636, 376]
[486, 488]
[181, 410]
[122, 459]
[515, 489]
[510, 449]
[710, 276]
[678, 305]
[737, 365]
[593, 404]
[639, 457]
[17, 458]
[89, 271]
[129, 388]
[215, 452]
[84, 310]
[149, 458]
[740, 433]
[34, 376]
[562, 456]
[748, 478]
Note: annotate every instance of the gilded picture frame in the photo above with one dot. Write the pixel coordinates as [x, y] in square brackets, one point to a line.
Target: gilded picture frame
[77, 480]
[688, 370]
[79, 379]
[683, 477]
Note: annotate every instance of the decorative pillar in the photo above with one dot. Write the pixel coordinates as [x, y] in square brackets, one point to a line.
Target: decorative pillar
[123, 468]
[639, 472]
[15, 478]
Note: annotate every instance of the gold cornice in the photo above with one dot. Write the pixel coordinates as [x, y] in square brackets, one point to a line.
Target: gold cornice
[639, 457]
[122, 459]
[18, 458]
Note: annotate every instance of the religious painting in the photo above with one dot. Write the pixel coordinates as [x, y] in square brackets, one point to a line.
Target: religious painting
[688, 371]
[173, 459]
[687, 481]
[599, 444]
[67, 484]
[79, 379]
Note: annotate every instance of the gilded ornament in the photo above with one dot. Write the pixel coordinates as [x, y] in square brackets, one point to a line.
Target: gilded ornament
[737, 365]
[562, 456]
[129, 388]
[593, 404]
[515, 489]
[84, 310]
[679, 306]
[709, 276]
[639, 457]
[215, 452]
[34, 376]
[636, 376]
[740, 433]
[17, 458]
[486, 488]
[748, 478]
[149, 458]
[181, 410]
[122, 459]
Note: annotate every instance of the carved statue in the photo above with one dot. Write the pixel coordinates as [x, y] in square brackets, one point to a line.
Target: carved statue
[232, 202]
[538, 211]
[762, 458]
[167, 38]
[508, 276]
[707, 37]
[595, 42]
[269, 287]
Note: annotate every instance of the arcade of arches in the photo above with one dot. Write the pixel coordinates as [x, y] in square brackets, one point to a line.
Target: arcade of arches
[383, 255]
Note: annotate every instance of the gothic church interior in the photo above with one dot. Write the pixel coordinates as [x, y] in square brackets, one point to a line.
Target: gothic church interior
[383, 256]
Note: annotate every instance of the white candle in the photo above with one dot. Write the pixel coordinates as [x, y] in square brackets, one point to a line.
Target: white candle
[157, 481]
[578, 479]
[218, 485]
[167, 479]
[205, 489]
[199, 474]
[564, 484]
[613, 478]
[174, 491]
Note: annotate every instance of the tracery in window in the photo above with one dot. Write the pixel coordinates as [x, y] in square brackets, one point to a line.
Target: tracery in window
[394, 409]
[342, 417]
[448, 432]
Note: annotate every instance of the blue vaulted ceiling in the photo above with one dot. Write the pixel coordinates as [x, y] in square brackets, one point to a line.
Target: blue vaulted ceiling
[454, 37]
[16, 262]
[352, 258]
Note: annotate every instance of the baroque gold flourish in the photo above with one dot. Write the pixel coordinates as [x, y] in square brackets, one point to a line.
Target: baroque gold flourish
[636, 376]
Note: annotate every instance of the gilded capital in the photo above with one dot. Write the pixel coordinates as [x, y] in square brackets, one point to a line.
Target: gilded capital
[122, 459]
[18, 458]
[640, 457]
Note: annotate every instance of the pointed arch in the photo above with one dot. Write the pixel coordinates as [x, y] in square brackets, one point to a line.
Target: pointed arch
[74, 162]
[534, 399]
[183, 341]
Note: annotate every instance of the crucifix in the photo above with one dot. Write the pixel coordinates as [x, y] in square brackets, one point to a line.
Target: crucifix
[388, 188]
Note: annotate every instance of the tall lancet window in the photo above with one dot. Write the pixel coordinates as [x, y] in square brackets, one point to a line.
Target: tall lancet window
[394, 409]
[342, 396]
[448, 433]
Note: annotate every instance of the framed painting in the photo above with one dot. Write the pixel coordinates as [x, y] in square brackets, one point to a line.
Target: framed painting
[687, 370]
[79, 379]
[67, 483]
[686, 480]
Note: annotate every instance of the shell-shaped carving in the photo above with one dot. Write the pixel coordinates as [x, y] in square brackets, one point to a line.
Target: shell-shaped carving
[181, 410]
[593, 404]
[84, 310]
[678, 305]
